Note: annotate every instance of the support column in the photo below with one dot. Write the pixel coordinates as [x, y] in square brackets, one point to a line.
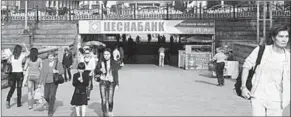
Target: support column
[264, 20]
[90, 4]
[222, 3]
[258, 21]
[25, 17]
[47, 4]
[57, 7]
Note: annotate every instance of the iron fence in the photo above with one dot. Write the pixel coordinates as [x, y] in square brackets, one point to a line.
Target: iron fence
[165, 13]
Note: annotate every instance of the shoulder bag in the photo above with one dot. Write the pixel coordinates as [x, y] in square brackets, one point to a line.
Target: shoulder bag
[237, 85]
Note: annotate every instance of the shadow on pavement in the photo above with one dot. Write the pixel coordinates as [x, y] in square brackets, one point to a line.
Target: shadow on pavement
[58, 104]
[208, 75]
[96, 107]
[24, 99]
[200, 81]
[73, 113]
[286, 111]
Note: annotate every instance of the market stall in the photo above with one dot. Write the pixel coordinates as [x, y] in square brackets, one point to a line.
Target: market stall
[199, 47]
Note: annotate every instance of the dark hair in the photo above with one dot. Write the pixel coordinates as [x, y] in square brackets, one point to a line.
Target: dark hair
[111, 58]
[33, 54]
[67, 49]
[81, 50]
[51, 53]
[108, 50]
[81, 66]
[274, 32]
[17, 51]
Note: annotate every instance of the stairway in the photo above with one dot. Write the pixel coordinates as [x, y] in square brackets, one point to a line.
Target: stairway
[55, 33]
[12, 33]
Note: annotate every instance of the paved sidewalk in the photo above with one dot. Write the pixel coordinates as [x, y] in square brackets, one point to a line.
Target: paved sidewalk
[149, 90]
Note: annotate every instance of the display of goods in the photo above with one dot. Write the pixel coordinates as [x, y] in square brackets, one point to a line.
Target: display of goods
[197, 61]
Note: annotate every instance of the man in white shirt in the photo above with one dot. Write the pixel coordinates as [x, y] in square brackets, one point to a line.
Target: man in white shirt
[220, 58]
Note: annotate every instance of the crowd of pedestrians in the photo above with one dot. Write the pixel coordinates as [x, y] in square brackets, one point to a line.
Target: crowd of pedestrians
[28, 69]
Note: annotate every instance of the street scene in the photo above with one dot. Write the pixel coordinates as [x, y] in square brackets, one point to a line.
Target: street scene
[145, 58]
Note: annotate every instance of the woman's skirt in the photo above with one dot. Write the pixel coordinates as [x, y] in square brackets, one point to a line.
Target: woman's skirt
[79, 97]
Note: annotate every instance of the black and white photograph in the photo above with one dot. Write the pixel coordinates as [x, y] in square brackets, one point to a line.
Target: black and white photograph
[145, 58]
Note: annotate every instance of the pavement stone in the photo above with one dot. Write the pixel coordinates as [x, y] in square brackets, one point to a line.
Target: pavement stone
[149, 90]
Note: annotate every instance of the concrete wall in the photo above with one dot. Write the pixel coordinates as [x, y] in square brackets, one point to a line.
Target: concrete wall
[242, 50]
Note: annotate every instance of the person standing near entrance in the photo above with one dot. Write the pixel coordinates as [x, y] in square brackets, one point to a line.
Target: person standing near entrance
[130, 49]
[108, 71]
[161, 56]
[220, 59]
[270, 93]
[67, 63]
[16, 75]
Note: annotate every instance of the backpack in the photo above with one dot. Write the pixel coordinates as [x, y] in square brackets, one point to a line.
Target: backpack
[237, 85]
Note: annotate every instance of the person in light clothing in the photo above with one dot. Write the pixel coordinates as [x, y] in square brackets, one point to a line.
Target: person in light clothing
[116, 53]
[90, 64]
[220, 58]
[270, 92]
[161, 55]
[16, 75]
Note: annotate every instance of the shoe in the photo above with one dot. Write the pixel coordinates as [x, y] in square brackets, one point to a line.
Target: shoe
[110, 114]
[19, 105]
[50, 114]
[7, 104]
[105, 114]
[45, 107]
[219, 85]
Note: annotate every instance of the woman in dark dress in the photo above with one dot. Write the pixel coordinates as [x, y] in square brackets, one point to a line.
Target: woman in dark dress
[80, 82]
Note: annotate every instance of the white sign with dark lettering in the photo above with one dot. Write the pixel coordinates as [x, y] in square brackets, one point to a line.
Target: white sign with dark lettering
[146, 26]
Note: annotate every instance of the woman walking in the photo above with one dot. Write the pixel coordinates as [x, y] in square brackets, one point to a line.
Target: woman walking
[270, 93]
[90, 64]
[33, 66]
[67, 64]
[108, 72]
[16, 75]
[80, 82]
[50, 88]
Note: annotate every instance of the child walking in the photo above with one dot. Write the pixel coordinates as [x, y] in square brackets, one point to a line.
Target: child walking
[80, 82]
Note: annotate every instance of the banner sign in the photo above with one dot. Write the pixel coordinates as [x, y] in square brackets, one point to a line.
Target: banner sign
[146, 26]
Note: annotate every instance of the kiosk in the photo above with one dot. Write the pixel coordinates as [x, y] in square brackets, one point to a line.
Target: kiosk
[199, 48]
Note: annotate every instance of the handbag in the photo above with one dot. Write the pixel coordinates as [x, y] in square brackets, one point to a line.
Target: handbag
[237, 85]
[39, 95]
[58, 78]
[212, 65]
[8, 68]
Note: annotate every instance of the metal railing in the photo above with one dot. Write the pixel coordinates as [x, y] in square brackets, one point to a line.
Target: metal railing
[169, 13]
